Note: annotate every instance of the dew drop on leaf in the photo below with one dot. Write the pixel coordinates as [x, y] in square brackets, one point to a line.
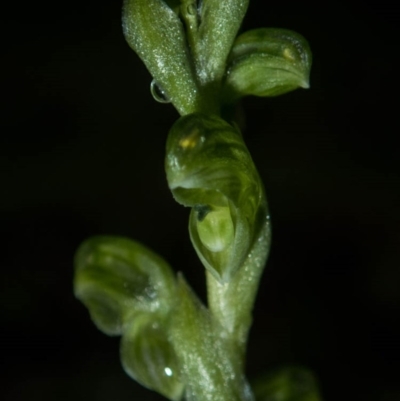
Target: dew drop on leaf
[158, 93]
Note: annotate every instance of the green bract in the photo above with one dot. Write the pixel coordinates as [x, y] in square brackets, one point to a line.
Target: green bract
[157, 35]
[116, 278]
[267, 62]
[210, 169]
[219, 22]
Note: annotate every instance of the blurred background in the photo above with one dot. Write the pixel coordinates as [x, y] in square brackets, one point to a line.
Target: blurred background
[82, 152]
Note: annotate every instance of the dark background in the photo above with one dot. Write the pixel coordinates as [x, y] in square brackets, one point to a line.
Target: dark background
[81, 153]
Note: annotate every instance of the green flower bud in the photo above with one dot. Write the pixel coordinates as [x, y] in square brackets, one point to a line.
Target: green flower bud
[155, 32]
[210, 169]
[267, 62]
[148, 356]
[116, 277]
[287, 384]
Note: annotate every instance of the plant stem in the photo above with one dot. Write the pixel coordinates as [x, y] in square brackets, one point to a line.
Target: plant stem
[231, 303]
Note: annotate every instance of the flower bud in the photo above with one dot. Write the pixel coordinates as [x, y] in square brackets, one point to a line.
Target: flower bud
[116, 277]
[267, 62]
[210, 169]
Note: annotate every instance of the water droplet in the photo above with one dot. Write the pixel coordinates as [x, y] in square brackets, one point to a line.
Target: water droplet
[158, 93]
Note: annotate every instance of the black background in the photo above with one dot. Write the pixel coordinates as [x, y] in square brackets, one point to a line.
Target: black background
[81, 153]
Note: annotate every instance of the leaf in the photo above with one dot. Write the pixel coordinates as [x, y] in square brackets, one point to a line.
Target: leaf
[148, 356]
[287, 384]
[210, 169]
[155, 32]
[116, 278]
[267, 62]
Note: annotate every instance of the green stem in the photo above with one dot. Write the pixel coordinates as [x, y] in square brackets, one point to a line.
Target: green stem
[231, 303]
[212, 371]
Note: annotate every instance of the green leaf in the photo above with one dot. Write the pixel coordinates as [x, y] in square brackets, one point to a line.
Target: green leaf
[116, 278]
[148, 356]
[267, 62]
[210, 169]
[219, 24]
[155, 32]
[211, 368]
[287, 384]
